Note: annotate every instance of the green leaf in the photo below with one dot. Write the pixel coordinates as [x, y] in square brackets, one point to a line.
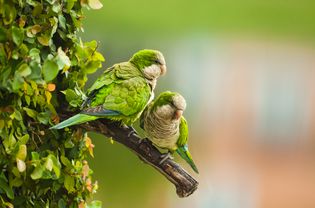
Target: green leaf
[24, 139]
[92, 66]
[17, 83]
[38, 8]
[9, 143]
[24, 70]
[38, 172]
[51, 1]
[49, 164]
[55, 164]
[62, 203]
[9, 13]
[95, 204]
[50, 70]
[35, 156]
[62, 59]
[62, 21]
[70, 4]
[31, 113]
[22, 153]
[95, 4]
[65, 161]
[17, 35]
[44, 40]
[34, 54]
[36, 71]
[69, 183]
[16, 115]
[1, 124]
[5, 187]
[16, 182]
[72, 97]
[43, 117]
[68, 143]
[3, 35]
[20, 165]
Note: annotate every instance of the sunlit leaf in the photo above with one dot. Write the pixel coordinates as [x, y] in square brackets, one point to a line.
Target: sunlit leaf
[20, 165]
[62, 59]
[35, 29]
[44, 40]
[95, 4]
[21, 154]
[49, 164]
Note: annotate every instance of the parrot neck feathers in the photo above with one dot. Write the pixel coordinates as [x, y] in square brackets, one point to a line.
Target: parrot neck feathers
[151, 73]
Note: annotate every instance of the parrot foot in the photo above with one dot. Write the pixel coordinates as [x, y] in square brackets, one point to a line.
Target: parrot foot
[165, 157]
[132, 132]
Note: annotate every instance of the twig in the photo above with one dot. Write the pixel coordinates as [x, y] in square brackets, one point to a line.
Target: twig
[185, 184]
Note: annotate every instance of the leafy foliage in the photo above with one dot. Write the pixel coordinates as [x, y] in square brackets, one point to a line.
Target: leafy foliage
[43, 67]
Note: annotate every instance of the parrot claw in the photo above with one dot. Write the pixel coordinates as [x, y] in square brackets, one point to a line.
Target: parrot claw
[165, 157]
[132, 132]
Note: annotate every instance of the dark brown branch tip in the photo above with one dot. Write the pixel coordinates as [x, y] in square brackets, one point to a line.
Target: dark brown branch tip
[185, 184]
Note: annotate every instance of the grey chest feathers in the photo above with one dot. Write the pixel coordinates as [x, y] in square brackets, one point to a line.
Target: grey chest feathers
[161, 128]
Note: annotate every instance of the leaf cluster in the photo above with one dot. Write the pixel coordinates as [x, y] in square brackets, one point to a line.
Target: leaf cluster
[41, 56]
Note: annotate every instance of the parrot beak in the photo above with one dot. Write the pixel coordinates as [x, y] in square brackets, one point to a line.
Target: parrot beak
[163, 69]
[178, 114]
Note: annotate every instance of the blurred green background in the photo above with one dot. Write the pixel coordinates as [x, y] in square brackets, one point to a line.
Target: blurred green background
[245, 68]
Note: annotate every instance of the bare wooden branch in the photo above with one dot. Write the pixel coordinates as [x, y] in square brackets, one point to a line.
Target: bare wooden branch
[185, 184]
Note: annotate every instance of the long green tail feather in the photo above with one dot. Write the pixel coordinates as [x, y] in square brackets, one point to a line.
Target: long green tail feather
[185, 154]
[76, 119]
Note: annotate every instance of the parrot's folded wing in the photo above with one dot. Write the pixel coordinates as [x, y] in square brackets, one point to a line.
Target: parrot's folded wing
[76, 119]
[185, 154]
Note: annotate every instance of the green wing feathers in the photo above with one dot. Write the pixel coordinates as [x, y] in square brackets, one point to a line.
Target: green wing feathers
[182, 149]
[183, 132]
[77, 119]
[121, 88]
[185, 154]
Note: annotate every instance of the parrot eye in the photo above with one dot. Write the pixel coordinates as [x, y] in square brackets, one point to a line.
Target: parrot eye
[157, 62]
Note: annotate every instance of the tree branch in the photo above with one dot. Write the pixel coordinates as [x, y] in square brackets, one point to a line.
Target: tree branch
[185, 184]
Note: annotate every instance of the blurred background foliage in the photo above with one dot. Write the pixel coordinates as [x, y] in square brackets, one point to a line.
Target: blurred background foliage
[245, 68]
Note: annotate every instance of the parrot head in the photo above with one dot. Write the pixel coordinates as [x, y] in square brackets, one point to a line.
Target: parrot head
[150, 62]
[170, 105]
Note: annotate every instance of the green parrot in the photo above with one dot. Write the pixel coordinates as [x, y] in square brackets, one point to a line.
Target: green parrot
[166, 127]
[123, 91]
